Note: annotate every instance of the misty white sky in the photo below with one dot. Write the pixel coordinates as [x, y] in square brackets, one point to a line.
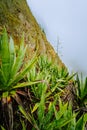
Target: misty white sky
[66, 20]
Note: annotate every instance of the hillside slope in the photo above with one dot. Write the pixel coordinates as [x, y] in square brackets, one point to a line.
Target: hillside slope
[16, 16]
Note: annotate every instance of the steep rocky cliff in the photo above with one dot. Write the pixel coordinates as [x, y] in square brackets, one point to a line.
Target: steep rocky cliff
[16, 16]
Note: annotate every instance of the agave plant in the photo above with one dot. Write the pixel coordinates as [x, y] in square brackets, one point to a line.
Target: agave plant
[82, 87]
[13, 70]
[81, 95]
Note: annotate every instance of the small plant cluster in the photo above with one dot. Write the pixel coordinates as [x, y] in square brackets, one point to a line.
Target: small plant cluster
[32, 92]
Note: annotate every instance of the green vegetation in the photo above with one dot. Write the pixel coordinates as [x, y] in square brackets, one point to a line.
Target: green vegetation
[38, 94]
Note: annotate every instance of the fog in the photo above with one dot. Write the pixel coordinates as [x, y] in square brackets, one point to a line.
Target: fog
[65, 24]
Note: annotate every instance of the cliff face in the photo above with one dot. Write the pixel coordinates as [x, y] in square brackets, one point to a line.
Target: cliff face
[16, 16]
